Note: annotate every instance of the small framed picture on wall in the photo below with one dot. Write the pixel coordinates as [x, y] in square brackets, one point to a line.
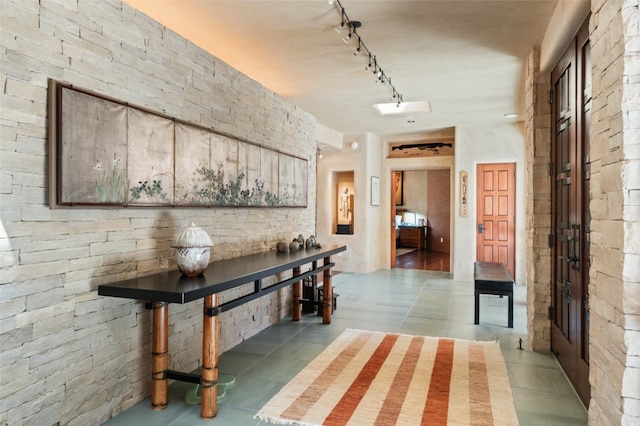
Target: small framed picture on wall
[375, 191]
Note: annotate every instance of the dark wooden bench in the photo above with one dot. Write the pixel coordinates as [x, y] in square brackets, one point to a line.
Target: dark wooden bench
[492, 278]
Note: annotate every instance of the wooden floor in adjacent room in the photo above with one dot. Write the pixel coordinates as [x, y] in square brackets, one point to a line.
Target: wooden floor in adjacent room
[424, 260]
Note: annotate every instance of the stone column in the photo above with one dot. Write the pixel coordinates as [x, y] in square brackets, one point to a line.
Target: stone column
[538, 157]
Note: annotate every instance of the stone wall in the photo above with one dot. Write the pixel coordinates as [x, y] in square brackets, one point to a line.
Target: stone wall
[538, 187]
[69, 356]
[615, 208]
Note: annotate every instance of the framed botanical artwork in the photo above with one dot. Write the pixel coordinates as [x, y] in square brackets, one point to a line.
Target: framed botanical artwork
[375, 191]
[105, 152]
[398, 182]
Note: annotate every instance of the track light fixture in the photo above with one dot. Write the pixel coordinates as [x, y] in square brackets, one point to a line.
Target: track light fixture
[372, 64]
[353, 27]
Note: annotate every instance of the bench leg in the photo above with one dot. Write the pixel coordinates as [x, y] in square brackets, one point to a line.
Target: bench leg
[327, 293]
[160, 356]
[510, 325]
[476, 312]
[209, 377]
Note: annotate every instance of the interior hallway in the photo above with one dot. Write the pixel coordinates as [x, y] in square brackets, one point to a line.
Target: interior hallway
[398, 300]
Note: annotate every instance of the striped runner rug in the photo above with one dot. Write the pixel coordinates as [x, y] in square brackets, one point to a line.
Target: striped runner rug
[374, 378]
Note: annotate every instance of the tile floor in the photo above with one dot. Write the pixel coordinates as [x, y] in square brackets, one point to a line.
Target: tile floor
[397, 300]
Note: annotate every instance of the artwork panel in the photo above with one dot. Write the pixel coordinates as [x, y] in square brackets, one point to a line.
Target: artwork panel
[105, 152]
[93, 149]
[424, 148]
[301, 176]
[398, 185]
[249, 174]
[224, 156]
[151, 158]
[193, 147]
[269, 175]
[286, 179]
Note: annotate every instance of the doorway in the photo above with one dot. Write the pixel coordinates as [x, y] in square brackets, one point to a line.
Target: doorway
[421, 219]
[570, 172]
[496, 198]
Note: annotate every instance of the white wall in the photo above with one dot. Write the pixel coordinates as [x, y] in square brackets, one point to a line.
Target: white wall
[370, 247]
[486, 144]
[364, 246]
[415, 193]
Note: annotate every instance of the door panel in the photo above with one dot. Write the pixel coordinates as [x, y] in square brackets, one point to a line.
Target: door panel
[570, 217]
[495, 240]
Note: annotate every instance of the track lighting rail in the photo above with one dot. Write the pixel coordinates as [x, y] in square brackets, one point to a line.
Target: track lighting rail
[372, 65]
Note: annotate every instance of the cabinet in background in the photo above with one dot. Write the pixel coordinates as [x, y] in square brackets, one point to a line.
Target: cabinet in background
[412, 236]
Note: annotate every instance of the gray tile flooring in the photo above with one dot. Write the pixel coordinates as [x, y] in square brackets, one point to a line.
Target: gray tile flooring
[397, 300]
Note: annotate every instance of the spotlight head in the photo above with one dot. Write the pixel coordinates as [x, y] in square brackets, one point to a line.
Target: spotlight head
[354, 25]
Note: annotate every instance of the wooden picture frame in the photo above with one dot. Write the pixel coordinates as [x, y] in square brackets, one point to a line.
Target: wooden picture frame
[375, 191]
[109, 153]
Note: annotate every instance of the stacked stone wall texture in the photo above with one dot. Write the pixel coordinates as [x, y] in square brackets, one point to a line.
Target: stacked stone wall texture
[69, 356]
[538, 156]
[615, 210]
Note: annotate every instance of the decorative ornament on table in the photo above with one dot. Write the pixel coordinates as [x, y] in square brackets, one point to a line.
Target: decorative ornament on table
[192, 250]
[294, 245]
[297, 243]
[282, 247]
[311, 242]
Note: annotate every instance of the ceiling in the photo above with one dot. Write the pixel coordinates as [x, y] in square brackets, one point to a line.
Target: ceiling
[465, 57]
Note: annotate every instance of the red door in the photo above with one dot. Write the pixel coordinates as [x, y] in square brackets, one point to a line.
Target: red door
[496, 214]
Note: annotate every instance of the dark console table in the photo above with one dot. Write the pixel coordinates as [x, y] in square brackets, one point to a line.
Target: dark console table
[172, 287]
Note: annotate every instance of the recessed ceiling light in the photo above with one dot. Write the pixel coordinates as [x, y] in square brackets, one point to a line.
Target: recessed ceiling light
[511, 115]
[395, 108]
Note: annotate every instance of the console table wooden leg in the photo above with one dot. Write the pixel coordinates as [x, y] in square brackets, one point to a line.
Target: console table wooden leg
[209, 377]
[296, 306]
[327, 294]
[160, 356]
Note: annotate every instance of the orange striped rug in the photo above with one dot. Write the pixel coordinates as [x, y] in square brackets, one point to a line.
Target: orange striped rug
[373, 378]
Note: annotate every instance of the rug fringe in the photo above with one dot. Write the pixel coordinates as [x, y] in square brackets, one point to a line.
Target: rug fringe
[274, 421]
[360, 330]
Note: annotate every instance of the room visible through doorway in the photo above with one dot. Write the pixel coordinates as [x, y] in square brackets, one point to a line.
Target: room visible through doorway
[421, 225]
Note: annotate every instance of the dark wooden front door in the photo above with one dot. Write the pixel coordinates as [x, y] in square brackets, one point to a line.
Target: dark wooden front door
[496, 215]
[571, 111]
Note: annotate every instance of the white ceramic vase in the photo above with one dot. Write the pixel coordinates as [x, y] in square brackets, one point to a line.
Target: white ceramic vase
[192, 249]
